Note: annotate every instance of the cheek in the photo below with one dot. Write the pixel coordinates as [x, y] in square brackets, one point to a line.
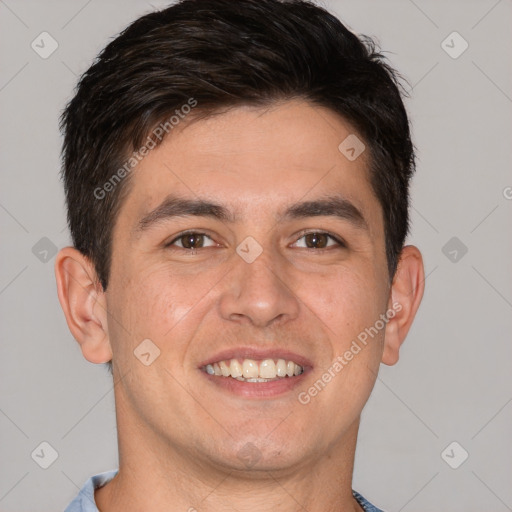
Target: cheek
[158, 304]
[350, 305]
[347, 301]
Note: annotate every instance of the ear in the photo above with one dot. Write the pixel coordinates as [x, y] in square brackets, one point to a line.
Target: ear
[404, 299]
[84, 304]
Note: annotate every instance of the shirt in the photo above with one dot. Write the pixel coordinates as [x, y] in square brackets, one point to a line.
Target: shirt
[84, 502]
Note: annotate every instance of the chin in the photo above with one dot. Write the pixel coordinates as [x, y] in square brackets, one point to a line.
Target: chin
[258, 455]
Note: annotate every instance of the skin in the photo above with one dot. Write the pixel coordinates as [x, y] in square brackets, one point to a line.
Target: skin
[179, 434]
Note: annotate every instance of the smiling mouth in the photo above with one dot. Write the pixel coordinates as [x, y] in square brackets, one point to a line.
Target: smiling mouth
[252, 370]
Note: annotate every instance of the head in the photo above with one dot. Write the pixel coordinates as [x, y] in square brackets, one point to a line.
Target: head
[268, 128]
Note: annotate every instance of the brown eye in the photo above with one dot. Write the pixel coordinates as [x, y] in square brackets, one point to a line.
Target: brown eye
[192, 240]
[318, 240]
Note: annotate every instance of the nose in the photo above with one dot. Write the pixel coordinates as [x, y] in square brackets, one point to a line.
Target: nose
[259, 293]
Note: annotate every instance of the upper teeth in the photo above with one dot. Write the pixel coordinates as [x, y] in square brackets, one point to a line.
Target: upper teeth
[252, 369]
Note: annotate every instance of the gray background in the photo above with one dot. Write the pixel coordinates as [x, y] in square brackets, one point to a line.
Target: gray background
[453, 381]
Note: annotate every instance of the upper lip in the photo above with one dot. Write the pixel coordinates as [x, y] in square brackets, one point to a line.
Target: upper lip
[257, 353]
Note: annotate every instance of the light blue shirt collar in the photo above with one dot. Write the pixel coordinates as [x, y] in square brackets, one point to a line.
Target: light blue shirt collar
[84, 502]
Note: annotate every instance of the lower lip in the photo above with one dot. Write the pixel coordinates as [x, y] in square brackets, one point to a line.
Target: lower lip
[271, 389]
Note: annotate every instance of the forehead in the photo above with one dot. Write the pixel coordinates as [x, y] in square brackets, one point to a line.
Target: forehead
[255, 161]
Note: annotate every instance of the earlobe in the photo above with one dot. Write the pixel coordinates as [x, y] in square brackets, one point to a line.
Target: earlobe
[84, 304]
[404, 300]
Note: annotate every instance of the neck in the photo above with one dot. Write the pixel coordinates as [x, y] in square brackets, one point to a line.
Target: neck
[154, 475]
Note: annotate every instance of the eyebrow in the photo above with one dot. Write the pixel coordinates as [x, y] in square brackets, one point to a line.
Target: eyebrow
[172, 207]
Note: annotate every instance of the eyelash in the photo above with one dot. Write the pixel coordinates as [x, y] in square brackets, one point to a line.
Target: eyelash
[302, 234]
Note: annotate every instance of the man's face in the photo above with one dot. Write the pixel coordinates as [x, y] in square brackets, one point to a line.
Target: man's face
[257, 284]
